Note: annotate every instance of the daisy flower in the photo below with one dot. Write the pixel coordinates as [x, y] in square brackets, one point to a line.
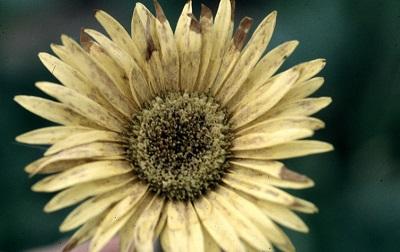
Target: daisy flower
[176, 134]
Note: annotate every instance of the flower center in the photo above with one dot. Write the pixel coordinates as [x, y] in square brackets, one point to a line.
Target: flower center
[179, 145]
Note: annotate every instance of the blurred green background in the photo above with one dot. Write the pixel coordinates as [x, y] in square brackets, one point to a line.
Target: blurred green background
[357, 186]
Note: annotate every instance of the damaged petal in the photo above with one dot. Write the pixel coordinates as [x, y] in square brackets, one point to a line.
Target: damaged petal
[194, 24]
[206, 12]
[241, 33]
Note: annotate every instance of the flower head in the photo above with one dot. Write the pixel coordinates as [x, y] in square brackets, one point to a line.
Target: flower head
[176, 134]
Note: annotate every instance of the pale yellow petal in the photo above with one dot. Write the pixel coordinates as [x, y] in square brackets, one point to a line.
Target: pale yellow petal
[189, 48]
[232, 54]
[62, 53]
[165, 241]
[139, 86]
[42, 166]
[144, 231]
[86, 137]
[87, 151]
[283, 216]
[271, 62]
[249, 58]
[292, 149]
[53, 111]
[82, 191]
[162, 222]
[250, 248]
[116, 218]
[271, 172]
[176, 225]
[169, 51]
[156, 71]
[115, 52]
[184, 20]
[194, 228]
[50, 135]
[209, 244]
[127, 231]
[303, 107]
[220, 39]
[184, 229]
[95, 206]
[105, 85]
[243, 226]
[66, 71]
[276, 124]
[83, 234]
[207, 36]
[137, 29]
[183, 41]
[109, 66]
[118, 34]
[83, 173]
[248, 207]
[303, 90]
[273, 168]
[82, 105]
[256, 104]
[289, 179]
[66, 74]
[260, 191]
[217, 225]
[304, 206]
[263, 140]
[147, 21]
[113, 61]
[152, 65]
[264, 70]
[309, 69]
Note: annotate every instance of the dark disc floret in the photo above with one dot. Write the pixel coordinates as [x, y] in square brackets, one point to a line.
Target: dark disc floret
[179, 145]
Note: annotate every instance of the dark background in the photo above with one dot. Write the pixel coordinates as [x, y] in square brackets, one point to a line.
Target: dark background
[357, 186]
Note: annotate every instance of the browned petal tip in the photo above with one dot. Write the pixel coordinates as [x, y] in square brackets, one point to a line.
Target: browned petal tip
[194, 24]
[85, 40]
[241, 33]
[159, 12]
[95, 11]
[292, 176]
[206, 12]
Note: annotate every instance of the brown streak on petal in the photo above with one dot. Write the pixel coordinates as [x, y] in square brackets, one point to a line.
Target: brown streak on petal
[70, 246]
[296, 204]
[150, 43]
[206, 12]
[233, 7]
[241, 33]
[292, 176]
[159, 11]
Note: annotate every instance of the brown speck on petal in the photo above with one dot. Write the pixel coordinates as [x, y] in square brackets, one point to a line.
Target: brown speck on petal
[292, 176]
[241, 33]
[150, 43]
[194, 24]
